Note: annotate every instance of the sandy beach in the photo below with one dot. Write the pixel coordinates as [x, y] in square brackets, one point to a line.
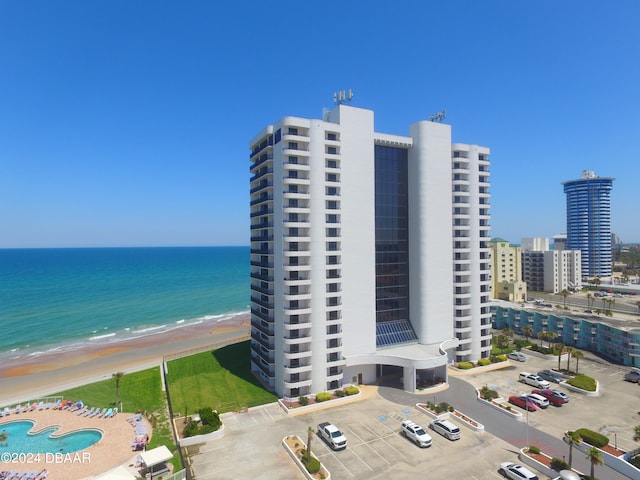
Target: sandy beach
[25, 379]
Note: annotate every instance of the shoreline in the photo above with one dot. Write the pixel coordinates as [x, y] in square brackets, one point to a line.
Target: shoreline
[27, 378]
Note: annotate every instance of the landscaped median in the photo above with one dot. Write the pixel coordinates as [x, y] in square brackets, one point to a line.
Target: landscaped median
[443, 411]
[306, 404]
[491, 397]
[296, 449]
[611, 456]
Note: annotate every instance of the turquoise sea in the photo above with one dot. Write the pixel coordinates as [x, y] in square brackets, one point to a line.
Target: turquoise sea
[54, 299]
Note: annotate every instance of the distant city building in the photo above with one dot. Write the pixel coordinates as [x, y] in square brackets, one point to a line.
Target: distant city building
[506, 272]
[559, 241]
[369, 253]
[550, 271]
[589, 222]
[615, 340]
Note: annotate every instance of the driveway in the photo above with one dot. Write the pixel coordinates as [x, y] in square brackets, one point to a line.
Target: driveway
[251, 447]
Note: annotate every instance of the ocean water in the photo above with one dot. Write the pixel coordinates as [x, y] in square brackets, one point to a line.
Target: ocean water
[53, 299]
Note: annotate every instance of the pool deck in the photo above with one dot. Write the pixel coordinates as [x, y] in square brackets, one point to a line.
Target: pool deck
[112, 450]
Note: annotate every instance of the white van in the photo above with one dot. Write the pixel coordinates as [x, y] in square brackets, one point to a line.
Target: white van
[446, 429]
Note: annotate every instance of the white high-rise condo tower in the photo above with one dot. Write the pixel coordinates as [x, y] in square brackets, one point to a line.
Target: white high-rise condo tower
[369, 253]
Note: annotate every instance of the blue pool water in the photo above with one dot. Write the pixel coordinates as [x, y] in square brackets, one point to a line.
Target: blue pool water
[20, 441]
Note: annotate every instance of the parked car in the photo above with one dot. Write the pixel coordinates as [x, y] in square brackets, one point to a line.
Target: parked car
[416, 434]
[561, 394]
[539, 400]
[633, 376]
[568, 475]
[517, 472]
[332, 436]
[533, 380]
[516, 356]
[446, 429]
[552, 397]
[551, 376]
[523, 401]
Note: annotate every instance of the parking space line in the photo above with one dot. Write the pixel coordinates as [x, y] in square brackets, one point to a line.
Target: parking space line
[393, 448]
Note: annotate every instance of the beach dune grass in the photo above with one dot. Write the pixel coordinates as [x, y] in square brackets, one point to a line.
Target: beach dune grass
[220, 379]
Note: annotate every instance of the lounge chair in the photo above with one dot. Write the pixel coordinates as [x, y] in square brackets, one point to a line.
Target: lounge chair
[97, 412]
[41, 406]
[108, 413]
[115, 412]
[88, 413]
[6, 411]
[82, 410]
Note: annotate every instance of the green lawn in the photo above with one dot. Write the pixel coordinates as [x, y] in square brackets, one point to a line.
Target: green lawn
[220, 379]
[139, 392]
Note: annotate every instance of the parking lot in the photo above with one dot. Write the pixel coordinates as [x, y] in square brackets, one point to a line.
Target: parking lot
[252, 445]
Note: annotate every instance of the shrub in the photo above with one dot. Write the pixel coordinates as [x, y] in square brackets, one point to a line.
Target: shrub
[593, 438]
[313, 465]
[635, 461]
[323, 397]
[339, 393]
[210, 423]
[502, 358]
[584, 382]
[483, 362]
[442, 407]
[465, 365]
[488, 393]
[534, 449]
[558, 464]
[304, 401]
[351, 390]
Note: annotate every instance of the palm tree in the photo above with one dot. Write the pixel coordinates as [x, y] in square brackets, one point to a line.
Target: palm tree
[590, 301]
[528, 331]
[310, 433]
[118, 376]
[573, 438]
[559, 348]
[541, 335]
[508, 332]
[595, 457]
[577, 354]
[569, 351]
[549, 337]
[565, 293]
[636, 434]
[638, 305]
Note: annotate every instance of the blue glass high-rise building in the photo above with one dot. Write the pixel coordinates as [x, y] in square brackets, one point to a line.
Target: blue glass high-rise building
[589, 222]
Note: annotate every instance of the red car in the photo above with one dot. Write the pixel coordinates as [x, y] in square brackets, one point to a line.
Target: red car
[554, 399]
[524, 402]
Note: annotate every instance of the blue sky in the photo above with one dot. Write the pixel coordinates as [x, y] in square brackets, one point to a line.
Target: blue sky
[127, 123]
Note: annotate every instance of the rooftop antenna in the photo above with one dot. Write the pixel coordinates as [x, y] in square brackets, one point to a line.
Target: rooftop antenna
[438, 116]
[342, 97]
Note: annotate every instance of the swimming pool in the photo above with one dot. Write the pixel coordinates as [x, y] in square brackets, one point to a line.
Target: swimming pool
[20, 441]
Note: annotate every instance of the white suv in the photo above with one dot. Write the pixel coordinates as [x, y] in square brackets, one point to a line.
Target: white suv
[517, 472]
[446, 429]
[533, 380]
[416, 433]
[539, 400]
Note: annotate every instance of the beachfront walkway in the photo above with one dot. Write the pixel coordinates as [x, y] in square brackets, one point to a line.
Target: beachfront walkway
[111, 451]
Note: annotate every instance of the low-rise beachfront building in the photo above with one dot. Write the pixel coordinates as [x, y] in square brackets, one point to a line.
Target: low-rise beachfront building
[615, 340]
[369, 253]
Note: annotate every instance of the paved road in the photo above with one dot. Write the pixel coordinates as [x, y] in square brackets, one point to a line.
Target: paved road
[518, 433]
